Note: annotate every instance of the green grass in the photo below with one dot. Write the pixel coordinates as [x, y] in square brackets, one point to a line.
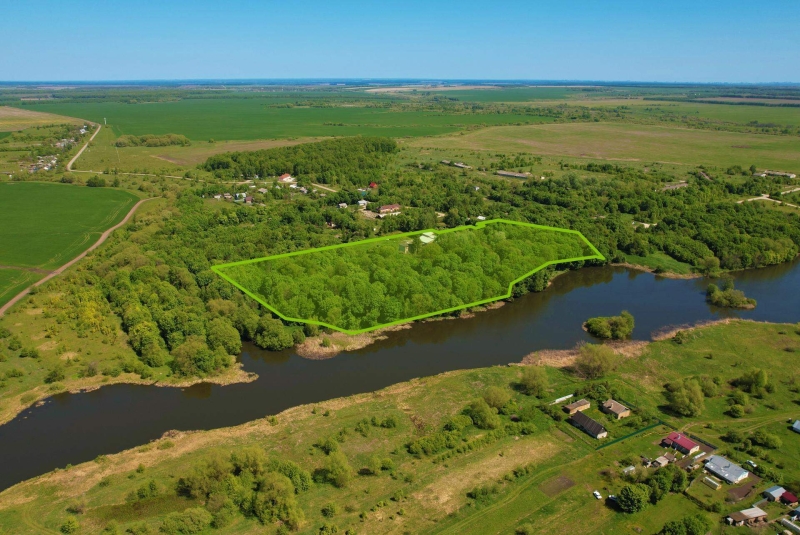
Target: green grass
[510, 94]
[660, 262]
[45, 225]
[734, 113]
[627, 143]
[244, 119]
[13, 281]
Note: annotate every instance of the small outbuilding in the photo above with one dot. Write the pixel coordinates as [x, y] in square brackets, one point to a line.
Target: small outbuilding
[342, 205]
[362, 204]
[796, 426]
[577, 406]
[774, 493]
[616, 409]
[787, 498]
[747, 517]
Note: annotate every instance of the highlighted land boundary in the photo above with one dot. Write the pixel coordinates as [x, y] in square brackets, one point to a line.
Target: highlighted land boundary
[268, 275]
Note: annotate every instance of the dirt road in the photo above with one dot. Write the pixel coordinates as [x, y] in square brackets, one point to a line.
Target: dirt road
[59, 271]
[72, 161]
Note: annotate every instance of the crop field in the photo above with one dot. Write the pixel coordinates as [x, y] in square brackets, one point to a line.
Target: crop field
[45, 225]
[12, 119]
[629, 142]
[247, 119]
[510, 94]
[13, 281]
[362, 286]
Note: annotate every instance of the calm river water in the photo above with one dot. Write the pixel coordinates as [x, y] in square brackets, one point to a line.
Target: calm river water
[72, 428]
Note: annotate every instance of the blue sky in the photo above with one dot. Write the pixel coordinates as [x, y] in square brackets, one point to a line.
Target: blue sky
[675, 41]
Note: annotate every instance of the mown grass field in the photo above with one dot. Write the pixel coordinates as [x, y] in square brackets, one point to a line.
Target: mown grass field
[553, 495]
[12, 119]
[44, 225]
[248, 119]
[630, 143]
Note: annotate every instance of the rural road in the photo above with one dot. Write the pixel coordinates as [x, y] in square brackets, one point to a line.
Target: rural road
[69, 264]
[766, 197]
[72, 161]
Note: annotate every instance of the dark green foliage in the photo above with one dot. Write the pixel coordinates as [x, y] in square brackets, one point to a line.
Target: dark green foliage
[728, 297]
[54, 375]
[755, 382]
[151, 140]
[357, 160]
[633, 498]
[686, 397]
[612, 327]
[70, 525]
[96, 182]
[766, 440]
[690, 525]
[338, 470]
[485, 493]
[482, 415]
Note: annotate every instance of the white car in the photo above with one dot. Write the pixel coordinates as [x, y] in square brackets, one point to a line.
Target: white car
[597, 495]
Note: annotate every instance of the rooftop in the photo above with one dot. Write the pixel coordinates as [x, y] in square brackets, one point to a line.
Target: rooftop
[725, 468]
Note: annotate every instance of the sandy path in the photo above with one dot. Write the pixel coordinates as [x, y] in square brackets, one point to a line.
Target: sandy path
[59, 271]
[72, 161]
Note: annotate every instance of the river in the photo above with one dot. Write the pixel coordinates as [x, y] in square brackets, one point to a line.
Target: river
[73, 428]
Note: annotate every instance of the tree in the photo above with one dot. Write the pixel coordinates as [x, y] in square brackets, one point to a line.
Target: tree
[484, 416]
[272, 335]
[594, 360]
[612, 327]
[338, 470]
[535, 381]
[686, 398]
[633, 498]
[222, 334]
[70, 525]
[496, 397]
[96, 182]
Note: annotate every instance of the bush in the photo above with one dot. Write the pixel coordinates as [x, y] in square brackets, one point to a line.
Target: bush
[685, 398]
[535, 381]
[55, 375]
[70, 525]
[496, 397]
[96, 182]
[484, 416]
[594, 361]
[338, 469]
[192, 520]
[330, 510]
[612, 327]
[633, 498]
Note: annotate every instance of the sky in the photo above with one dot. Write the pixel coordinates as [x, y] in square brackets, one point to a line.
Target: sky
[613, 40]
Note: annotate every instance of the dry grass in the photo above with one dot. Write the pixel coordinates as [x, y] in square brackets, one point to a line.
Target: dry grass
[12, 119]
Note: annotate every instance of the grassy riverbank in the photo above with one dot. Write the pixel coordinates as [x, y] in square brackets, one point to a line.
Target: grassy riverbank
[539, 471]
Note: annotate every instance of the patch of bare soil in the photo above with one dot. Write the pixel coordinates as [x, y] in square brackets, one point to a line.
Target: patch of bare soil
[313, 349]
[556, 485]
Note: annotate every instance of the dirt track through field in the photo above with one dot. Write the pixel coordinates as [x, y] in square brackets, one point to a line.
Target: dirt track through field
[59, 271]
[72, 161]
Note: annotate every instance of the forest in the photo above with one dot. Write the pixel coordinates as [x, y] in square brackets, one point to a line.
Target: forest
[356, 160]
[363, 286]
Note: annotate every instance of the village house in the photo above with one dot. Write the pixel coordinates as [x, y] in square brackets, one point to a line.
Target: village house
[659, 462]
[389, 209]
[618, 410]
[749, 517]
[481, 218]
[589, 426]
[343, 205]
[680, 442]
[286, 178]
[774, 493]
[725, 469]
[362, 204]
[577, 406]
[373, 185]
[248, 200]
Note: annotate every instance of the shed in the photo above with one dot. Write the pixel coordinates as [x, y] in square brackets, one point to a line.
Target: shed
[712, 482]
[796, 426]
[577, 406]
[427, 237]
[342, 205]
[749, 517]
[591, 427]
[362, 204]
[629, 469]
[618, 410]
[660, 461]
[774, 493]
[787, 498]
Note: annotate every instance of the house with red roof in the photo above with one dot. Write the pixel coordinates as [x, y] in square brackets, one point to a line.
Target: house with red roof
[286, 178]
[373, 185]
[787, 498]
[680, 442]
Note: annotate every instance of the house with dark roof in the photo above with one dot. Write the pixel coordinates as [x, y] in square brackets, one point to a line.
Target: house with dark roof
[588, 425]
[680, 442]
[577, 406]
[616, 409]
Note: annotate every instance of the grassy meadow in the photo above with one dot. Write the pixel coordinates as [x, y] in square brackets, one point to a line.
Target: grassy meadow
[543, 479]
[13, 119]
[630, 143]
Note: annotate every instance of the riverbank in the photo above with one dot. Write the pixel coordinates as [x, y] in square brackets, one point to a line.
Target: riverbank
[431, 490]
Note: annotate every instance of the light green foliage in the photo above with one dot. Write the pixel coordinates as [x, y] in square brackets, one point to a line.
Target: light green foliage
[534, 381]
[613, 327]
[633, 498]
[70, 525]
[338, 470]
[496, 397]
[193, 520]
[686, 397]
[483, 415]
[595, 361]
[728, 296]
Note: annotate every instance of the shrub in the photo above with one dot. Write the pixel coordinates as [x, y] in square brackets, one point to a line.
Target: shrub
[330, 510]
[496, 397]
[192, 520]
[338, 469]
[633, 498]
[612, 327]
[594, 361]
[55, 375]
[70, 525]
[686, 397]
[534, 381]
[484, 416]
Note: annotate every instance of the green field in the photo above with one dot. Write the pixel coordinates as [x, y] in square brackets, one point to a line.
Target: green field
[361, 286]
[631, 143]
[13, 281]
[243, 119]
[509, 94]
[44, 225]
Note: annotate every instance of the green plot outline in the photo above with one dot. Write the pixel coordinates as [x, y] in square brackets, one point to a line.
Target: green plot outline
[219, 267]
